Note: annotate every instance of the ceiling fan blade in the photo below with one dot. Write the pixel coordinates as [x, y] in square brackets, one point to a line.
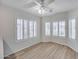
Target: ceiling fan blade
[39, 4]
[30, 5]
[48, 2]
[45, 2]
[48, 9]
[39, 1]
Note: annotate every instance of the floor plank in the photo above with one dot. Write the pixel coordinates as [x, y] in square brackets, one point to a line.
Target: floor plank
[47, 51]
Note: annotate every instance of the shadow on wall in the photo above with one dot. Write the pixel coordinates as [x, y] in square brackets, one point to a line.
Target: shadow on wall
[7, 48]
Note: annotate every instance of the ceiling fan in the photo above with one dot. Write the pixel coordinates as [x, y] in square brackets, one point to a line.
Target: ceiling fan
[42, 4]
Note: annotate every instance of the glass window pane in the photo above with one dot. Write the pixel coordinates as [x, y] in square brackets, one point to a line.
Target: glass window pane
[55, 28]
[47, 28]
[25, 29]
[19, 29]
[62, 28]
[35, 29]
[31, 28]
[72, 29]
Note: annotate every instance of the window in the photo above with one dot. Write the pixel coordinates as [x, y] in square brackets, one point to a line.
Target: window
[19, 29]
[35, 29]
[47, 28]
[72, 29]
[55, 28]
[32, 29]
[62, 28]
[25, 29]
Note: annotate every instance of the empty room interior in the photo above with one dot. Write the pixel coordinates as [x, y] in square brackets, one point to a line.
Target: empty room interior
[38, 29]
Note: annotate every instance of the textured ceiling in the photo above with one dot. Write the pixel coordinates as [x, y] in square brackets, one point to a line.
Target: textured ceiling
[57, 5]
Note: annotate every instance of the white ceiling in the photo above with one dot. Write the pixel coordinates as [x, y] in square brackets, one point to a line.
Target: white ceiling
[57, 5]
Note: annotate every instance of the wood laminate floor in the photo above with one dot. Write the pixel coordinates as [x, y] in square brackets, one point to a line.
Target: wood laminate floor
[46, 51]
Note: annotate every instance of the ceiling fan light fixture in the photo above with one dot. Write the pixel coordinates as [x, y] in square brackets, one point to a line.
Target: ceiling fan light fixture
[42, 11]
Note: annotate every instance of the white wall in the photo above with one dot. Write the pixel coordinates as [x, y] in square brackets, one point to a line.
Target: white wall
[8, 18]
[61, 40]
